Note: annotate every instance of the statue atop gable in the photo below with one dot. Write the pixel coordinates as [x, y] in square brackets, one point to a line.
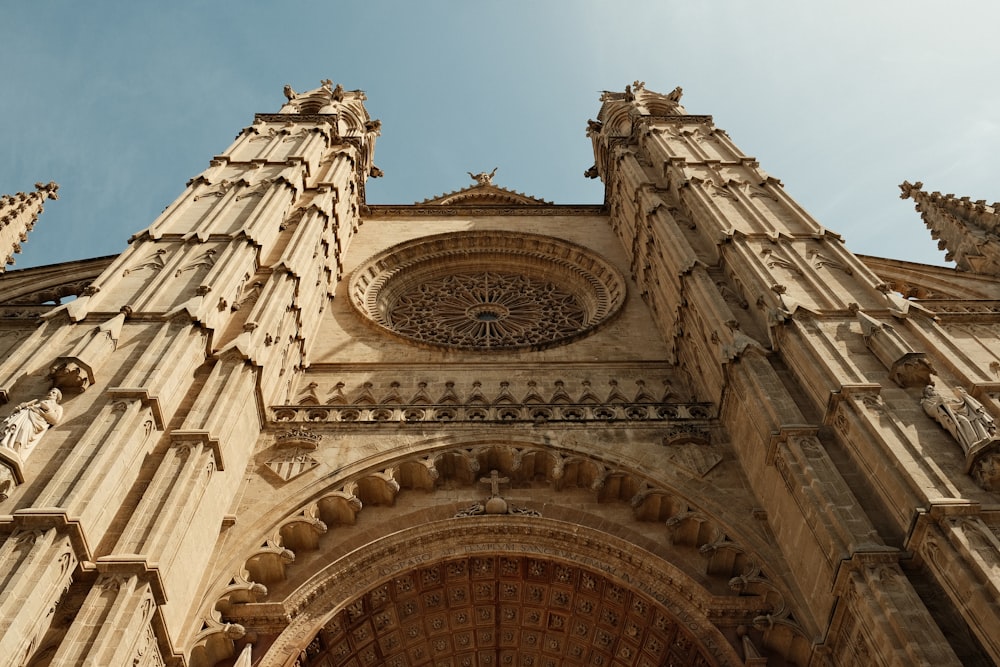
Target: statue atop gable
[483, 178]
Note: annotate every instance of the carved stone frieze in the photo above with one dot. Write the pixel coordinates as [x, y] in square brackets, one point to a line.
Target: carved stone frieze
[516, 412]
[524, 401]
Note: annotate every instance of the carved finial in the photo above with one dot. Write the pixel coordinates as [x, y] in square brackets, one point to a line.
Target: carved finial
[908, 188]
[49, 189]
[483, 178]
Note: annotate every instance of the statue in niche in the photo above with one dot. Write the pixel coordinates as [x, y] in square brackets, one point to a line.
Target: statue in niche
[965, 418]
[22, 430]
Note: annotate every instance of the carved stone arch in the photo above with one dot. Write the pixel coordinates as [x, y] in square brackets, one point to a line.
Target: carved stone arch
[42, 284]
[352, 118]
[624, 607]
[922, 281]
[565, 483]
[617, 119]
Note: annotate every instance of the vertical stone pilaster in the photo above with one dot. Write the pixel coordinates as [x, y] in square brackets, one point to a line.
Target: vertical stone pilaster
[113, 626]
[102, 466]
[36, 568]
[170, 501]
[891, 626]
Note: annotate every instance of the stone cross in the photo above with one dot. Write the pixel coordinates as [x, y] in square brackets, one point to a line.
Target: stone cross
[494, 480]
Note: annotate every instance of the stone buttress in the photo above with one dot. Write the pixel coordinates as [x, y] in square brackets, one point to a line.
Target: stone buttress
[167, 359]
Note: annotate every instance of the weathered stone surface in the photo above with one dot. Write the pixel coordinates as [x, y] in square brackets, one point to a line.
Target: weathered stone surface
[683, 427]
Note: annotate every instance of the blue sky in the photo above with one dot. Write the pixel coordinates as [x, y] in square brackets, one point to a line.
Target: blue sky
[121, 103]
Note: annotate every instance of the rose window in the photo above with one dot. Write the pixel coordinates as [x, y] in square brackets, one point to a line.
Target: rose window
[488, 290]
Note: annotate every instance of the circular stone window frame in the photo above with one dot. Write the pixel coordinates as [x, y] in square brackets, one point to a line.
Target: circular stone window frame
[597, 285]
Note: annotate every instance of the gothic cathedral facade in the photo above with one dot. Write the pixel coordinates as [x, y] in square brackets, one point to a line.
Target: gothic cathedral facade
[287, 427]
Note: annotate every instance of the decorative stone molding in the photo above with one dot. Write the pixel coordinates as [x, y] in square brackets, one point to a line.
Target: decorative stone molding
[501, 412]
[971, 426]
[537, 292]
[539, 557]
[907, 367]
[495, 505]
[298, 437]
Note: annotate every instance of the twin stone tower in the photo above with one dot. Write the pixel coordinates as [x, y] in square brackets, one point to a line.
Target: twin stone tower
[686, 427]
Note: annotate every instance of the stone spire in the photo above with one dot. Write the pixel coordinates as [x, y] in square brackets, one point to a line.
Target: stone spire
[18, 214]
[969, 231]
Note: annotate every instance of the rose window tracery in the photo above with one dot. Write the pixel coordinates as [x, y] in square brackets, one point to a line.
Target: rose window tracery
[488, 290]
[487, 310]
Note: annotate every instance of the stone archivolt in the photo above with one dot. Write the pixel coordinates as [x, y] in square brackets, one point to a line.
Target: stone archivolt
[688, 546]
[488, 291]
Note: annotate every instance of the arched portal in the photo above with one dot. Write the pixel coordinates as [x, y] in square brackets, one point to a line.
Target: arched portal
[502, 590]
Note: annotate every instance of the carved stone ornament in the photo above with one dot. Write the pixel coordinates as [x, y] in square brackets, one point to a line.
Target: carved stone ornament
[298, 437]
[290, 463]
[495, 504]
[483, 177]
[907, 368]
[21, 432]
[968, 422]
[488, 290]
[71, 374]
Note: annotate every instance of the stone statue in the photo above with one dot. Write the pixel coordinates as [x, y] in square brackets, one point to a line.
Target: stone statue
[965, 418]
[290, 93]
[23, 429]
[482, 178]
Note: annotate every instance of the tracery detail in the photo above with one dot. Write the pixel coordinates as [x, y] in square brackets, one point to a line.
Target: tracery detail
[488, 291]
[487, 310]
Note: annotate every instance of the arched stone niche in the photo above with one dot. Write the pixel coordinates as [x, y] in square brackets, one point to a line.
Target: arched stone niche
[503, 591]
